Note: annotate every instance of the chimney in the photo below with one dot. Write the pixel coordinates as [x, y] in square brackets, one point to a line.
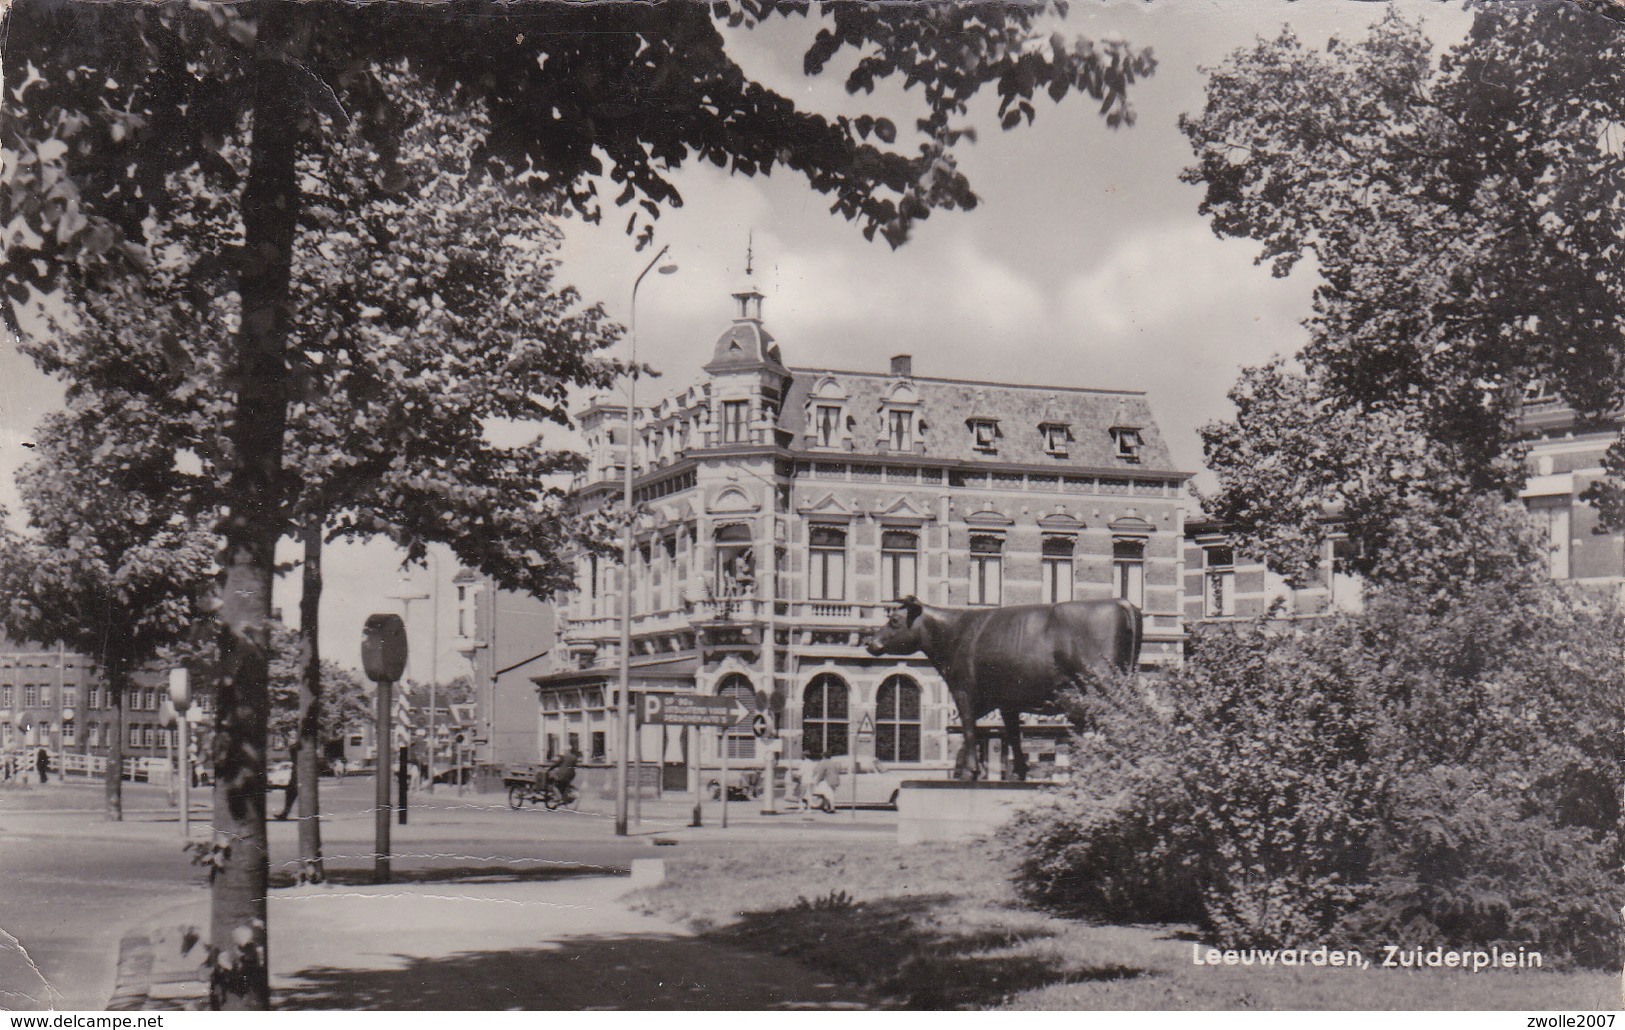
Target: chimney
[902, 365]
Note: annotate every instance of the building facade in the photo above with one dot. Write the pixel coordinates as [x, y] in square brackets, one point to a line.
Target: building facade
[783, 508]
[55, 699]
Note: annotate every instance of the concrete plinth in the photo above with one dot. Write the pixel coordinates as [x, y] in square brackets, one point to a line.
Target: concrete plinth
[937, 810]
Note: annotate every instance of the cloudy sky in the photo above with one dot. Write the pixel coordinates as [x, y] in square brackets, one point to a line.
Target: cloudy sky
[1086, 263]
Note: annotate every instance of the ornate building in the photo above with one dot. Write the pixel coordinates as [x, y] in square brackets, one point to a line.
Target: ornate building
[782, 508]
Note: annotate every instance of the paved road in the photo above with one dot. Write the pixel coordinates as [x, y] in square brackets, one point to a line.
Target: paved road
[73, 884]
[65, 901]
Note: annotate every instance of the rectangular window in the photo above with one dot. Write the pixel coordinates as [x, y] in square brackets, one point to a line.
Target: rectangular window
[900, 430]
[70, 697]
[899, 564]
[986, 569]
[598, 746]
[1128, 570]
[826, 564]
[69, 736]
[30, 695]
[1218, 581]
[95, 734]
[1057, 569]
[8, 695]
[734, 421]
[45, 695]
[134, 737]
[462, 611]
[828, 422]
[575, 742]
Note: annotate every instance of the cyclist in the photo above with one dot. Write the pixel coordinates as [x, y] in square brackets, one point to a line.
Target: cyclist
[560, 773]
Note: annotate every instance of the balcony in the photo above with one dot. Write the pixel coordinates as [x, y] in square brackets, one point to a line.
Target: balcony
[598, 630]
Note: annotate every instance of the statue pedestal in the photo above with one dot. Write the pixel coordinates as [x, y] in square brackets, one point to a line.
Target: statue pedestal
[940, 810]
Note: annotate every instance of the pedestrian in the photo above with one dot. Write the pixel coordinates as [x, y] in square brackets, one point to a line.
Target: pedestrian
[290, 793]
[42, 762]
[826, 777]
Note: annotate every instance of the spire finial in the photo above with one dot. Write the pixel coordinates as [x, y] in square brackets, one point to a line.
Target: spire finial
[750, 249]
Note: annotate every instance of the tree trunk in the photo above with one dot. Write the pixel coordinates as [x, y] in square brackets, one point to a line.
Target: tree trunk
[254, 518]
[310, 708]
[118, 678]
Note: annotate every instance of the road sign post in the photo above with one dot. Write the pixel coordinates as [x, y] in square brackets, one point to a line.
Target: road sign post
[865, 733]
[695, 770]
[383, 658]
[694, 711]
[722, 751]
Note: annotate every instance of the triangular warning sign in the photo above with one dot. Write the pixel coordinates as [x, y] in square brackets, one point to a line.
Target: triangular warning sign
[866, 728]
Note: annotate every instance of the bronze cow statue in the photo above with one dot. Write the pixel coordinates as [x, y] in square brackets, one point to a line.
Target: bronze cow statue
[1012, 660]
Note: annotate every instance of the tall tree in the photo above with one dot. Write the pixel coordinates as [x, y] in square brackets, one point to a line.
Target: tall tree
[105, 102]
[423, 312]
[1465, 214]
[107, 568]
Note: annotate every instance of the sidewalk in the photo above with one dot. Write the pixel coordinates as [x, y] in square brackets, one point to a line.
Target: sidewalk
[570, 944]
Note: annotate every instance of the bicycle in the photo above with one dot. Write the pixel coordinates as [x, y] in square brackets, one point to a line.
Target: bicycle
[552, 800]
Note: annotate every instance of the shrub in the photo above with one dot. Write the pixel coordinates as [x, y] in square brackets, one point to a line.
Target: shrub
[1416, 773]
[1463, 863]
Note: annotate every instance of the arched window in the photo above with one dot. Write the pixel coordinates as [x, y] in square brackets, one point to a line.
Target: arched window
[741, 738]
[823, 717]
[897, 720]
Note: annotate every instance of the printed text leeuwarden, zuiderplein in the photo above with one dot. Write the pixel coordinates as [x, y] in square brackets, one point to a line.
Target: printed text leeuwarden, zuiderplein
[1393, 956]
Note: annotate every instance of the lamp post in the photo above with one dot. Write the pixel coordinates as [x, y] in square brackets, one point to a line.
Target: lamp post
[623, 704]
[180, 697]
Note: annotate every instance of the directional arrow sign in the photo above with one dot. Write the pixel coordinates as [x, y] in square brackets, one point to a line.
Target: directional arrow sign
[693, 710]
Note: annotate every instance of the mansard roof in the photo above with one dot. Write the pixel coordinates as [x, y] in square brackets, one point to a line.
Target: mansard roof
[742, 346]
[947, 405]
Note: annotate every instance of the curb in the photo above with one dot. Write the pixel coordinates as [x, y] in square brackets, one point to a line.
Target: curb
[134, 974]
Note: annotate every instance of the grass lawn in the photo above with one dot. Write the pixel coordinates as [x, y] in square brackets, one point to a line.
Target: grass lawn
[939, 926]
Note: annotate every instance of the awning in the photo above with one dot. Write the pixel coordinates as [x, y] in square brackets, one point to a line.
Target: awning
[669, 674]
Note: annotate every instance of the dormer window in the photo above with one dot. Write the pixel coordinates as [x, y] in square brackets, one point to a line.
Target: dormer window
[827, 425]
[900, 430]
[1056, 436]
[1127, 440]
[985, 434]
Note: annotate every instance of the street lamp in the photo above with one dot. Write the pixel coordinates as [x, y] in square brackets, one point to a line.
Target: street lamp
[623, 705]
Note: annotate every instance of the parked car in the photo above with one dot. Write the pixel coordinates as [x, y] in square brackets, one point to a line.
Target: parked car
[279, 775]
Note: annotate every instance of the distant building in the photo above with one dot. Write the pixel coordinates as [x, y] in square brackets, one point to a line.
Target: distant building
[57, 700]
[1565, 457]
[786, 507]
[505, 636]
